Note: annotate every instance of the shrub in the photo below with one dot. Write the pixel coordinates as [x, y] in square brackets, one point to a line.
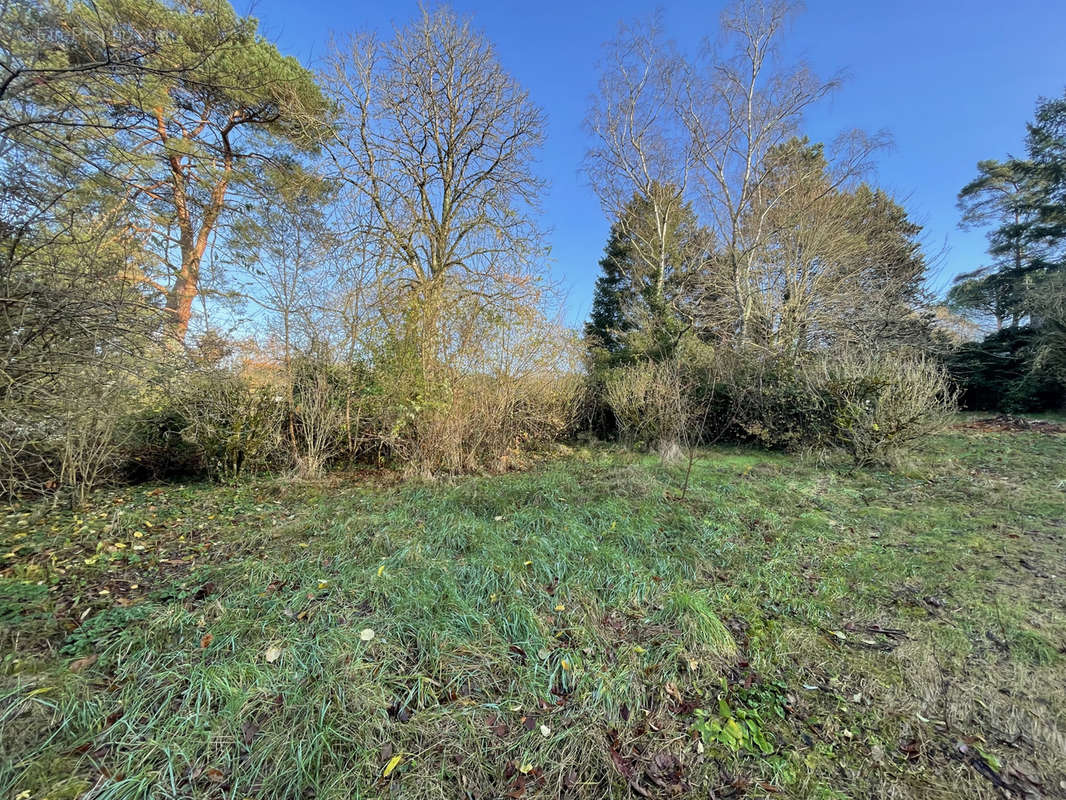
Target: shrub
[69, 441]
[318, 421]
[884, 405]
[235, 424]
[157, 448]
[775, 404]
[1006, 372]
[869, 407]
[460, 386]
[479, 422]
[650, 403]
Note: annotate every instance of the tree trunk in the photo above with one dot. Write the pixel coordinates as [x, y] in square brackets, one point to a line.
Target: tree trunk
[180, 298]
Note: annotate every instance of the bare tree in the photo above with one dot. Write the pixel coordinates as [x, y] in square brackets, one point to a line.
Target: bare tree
[435, 147]
[742, 105]
[840, 263]
[642, 152]
[700, 132]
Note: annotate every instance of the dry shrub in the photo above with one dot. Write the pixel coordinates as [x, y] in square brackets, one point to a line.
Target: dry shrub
[488, 422]
[91, 448]
[318, 420]
[650, 404]
[872, 407]
[465, 388]
[69, 442]
[885, 404]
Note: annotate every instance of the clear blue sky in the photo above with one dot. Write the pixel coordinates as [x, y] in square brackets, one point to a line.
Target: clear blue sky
[952, 81]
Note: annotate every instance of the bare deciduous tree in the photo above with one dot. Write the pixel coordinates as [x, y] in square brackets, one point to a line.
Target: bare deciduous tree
[642, 151]
[677, 132]
[740, 106]
[435, 146]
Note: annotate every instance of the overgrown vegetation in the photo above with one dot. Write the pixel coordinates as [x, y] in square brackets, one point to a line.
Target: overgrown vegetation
[571, 631]
[374, 290]
[1022, 202]
[258, 322]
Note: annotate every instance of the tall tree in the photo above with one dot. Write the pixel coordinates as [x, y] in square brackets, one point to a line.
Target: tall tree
[840, 267]
[642, 305]
[642, 155]
[1024, 203]
[698, 132]
[179, 119]
[1045, 202]
[743, 104]
[209, 129]
[435, 147]
[998, 197]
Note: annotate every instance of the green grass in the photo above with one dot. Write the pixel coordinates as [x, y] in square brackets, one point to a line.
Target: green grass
[571, 631]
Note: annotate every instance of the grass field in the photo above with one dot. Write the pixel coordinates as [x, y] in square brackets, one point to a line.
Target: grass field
[790, 629]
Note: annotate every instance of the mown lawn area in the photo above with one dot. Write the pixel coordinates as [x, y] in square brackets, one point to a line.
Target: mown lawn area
[792, 628]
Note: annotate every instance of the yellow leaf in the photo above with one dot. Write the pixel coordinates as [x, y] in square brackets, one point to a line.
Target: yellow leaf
[381, 570]
[560, 607]
[394, 762]
[733, 729]
[273, 654]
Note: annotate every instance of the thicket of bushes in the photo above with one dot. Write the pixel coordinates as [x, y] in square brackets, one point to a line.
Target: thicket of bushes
[1005, 372]
[870, 407]
[226, 422]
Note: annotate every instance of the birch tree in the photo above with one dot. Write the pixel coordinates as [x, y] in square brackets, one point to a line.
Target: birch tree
[642, 153]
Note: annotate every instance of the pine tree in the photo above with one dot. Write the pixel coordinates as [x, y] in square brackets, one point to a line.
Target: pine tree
[642, 302]
[1024, 200]
[607, 323]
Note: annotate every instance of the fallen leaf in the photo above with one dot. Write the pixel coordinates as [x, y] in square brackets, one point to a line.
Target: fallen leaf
[366, 634]
[394, 762]
[206, 641]
[273, 654]
[82, 663]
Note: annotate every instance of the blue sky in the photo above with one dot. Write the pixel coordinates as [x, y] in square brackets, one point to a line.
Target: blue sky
[952, 81]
